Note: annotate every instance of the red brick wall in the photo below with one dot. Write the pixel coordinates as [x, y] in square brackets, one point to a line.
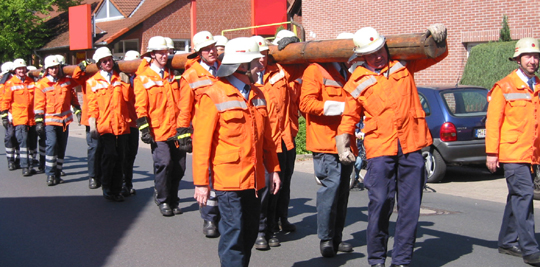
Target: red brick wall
[467, 22]
[173, 21]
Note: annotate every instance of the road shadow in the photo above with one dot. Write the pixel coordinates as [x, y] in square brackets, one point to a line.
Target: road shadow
[64, 231]
[469, 173]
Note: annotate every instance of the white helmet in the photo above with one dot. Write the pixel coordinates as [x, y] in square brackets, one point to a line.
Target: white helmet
[237, 51]
[31, 68]
[61, 59]
[345, 35]
[367, 40]
[263, 45]
[132, 55]
[101, 53]
[7, 67]
[202, 39]
[526, 45]
[19, 63]
[51, 61]
[157, 43]
[220, 40]
[170, 43]
[282, 34]
[241, 50]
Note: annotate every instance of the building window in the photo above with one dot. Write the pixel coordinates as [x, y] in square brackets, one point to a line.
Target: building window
[123, 46]
[181, 46]
[107, 12]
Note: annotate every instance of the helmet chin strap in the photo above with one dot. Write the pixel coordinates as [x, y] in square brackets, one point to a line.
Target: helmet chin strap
[247, 73]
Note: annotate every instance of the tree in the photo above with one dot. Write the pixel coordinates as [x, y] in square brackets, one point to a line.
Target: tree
[22, 27]
[504, 33]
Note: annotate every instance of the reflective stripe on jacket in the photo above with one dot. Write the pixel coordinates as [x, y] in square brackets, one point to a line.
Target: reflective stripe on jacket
[278, 96]
[108, 104]
[321, 83]
[157, 99]
[194, 81]
[81, 78]
[19, 99]
[232, 138]
[54, 100]
[391, 107]
[512, 121]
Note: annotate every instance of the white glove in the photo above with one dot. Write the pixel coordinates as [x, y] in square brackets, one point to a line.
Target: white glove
[93, 129]
[343, 146]
[438, 31]
[333, 108]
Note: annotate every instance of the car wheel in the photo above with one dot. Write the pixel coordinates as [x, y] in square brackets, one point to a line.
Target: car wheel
[537, 182]
[435, 165]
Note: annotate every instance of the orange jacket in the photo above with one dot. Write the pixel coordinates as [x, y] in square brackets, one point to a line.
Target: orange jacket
[279, 96]
[294, 109]
[19, 99]
[320, 83]
[108, 104]
[512, 121]
[157, 99]
[53, 100]
[391, 107]
[81, 78]
[232, 138]
[194, 81]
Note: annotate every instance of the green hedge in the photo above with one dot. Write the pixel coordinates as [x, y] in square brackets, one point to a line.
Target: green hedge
[488, 63]
[301, 137]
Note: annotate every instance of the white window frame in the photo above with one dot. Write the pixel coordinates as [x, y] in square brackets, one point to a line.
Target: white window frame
[108, 18]
[186, 47]
[118, 54]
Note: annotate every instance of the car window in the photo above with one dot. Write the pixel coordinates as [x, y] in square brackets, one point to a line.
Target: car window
[425, 105]
[466, 102]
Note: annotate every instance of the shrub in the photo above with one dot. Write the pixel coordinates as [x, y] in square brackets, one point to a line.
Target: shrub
[488, 63]
[301, 137]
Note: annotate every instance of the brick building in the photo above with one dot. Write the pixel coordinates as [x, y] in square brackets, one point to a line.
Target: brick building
[125, 25]
[468, 22]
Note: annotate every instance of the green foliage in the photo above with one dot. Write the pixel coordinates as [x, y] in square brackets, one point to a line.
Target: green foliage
[279, 29]
[504, 33]
[301, 137]
[488, 63]
[21, 29]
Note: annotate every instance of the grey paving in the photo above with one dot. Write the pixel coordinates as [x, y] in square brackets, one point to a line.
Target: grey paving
[71, 225]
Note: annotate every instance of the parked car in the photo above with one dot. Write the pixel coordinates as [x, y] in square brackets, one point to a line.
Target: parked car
[456, 117]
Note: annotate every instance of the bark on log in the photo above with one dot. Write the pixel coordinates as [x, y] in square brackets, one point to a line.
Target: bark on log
[402, 47]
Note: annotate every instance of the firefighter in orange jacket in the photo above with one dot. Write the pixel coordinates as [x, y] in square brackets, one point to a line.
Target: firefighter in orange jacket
[156, 102]
[54, 95]
[232, 139]
[395, 130]
[512, 139]
[93, 151]
[322, 99]
[19, 99]
[199, 76]
[274, 80]
[108, 119]
[10, 142]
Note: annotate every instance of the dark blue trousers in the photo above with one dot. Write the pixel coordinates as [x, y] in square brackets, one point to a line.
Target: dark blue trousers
[387, 176]
[111, 163]
[169, 168]
[27, 140]
[267, 218]
[517, 227]
[56, 143]
[10, 142]
[286, 163]
[332, 196]
[238, 226]
[130, 154]
[94, 158]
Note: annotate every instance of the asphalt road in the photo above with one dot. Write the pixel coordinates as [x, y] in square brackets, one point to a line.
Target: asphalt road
[71, 225]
